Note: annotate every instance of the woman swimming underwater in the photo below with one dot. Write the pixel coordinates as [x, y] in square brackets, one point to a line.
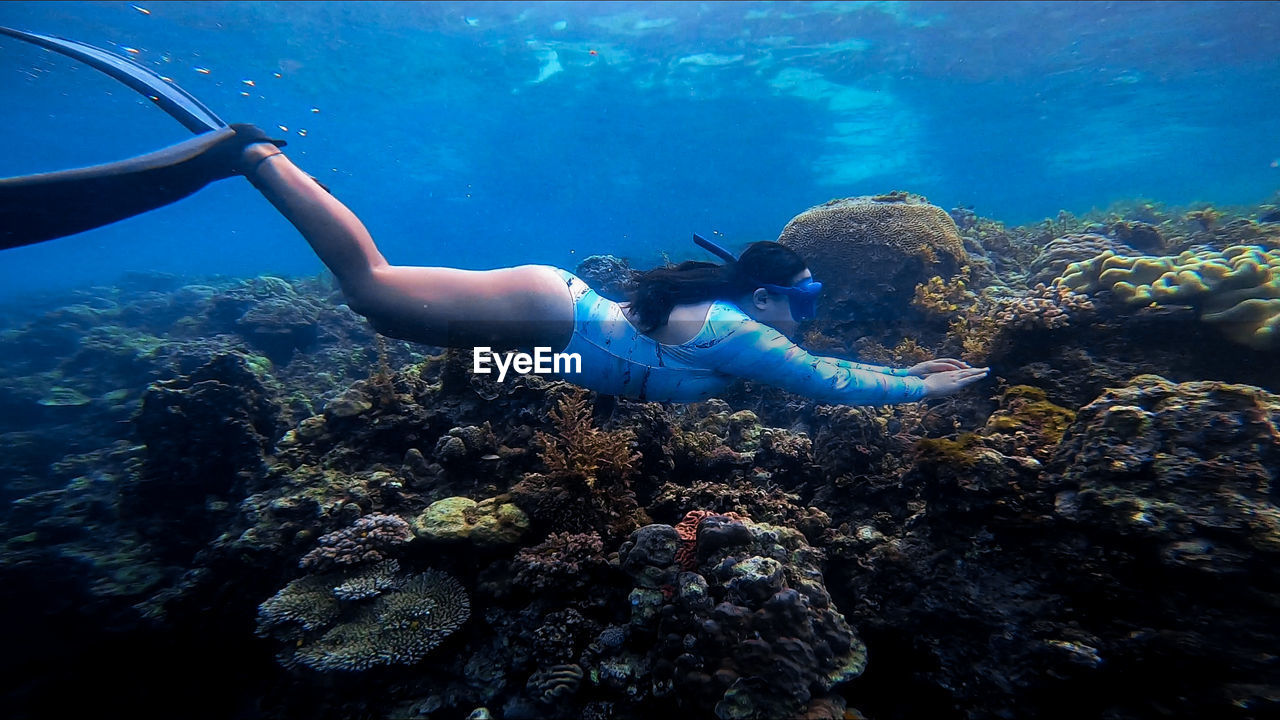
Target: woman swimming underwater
[687, 332]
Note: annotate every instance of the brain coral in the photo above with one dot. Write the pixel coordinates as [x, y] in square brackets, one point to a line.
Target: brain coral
[1237, 289]
[873, 251]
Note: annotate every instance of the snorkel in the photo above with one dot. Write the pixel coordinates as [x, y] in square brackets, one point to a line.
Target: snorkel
[803, 296]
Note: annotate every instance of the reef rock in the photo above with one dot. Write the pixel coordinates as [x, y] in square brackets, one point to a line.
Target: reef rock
[1191, 468]
[749, 631]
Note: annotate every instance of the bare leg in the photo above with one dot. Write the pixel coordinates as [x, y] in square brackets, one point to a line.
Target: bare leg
[527, 306]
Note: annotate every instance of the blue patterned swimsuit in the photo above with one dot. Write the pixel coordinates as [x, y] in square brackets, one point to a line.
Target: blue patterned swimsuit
[617, 359]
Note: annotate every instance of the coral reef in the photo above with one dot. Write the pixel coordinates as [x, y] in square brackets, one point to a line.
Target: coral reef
[587, 486]
[1077, 538]
[607, 275]
[563, 563]
[942, 297]
[1188, 467]
[1236, 289]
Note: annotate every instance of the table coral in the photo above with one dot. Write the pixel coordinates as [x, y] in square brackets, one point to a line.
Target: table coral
[327, 627]
[1237, 289]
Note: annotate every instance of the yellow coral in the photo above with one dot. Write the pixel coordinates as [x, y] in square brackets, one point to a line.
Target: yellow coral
[942, 297]
[1237, 289]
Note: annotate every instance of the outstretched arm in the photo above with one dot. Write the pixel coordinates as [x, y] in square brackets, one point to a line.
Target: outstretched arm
[751, 350]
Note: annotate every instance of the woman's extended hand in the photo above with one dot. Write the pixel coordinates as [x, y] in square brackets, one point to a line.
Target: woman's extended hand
[928, 367]
[940, 384]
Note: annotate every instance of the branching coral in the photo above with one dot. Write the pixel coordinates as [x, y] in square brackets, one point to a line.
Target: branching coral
[1043, 307]
[366, 540]
[561, 563]
[944, 297]
[587, 486]
[581, 450]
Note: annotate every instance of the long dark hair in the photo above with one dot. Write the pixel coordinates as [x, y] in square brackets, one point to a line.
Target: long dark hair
[653, 293]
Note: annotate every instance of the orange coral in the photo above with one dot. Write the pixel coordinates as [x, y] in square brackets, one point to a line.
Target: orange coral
[687, 529]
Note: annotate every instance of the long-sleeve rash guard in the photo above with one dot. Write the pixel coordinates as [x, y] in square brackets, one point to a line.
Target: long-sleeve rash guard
[617, 359]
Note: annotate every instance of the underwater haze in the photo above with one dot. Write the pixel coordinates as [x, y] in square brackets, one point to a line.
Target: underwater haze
[489, 134]
[991, 431]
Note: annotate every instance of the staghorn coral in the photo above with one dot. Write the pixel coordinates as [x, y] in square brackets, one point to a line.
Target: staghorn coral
[579, 449]
[368, 539]
[395, 625]
[1236, 289]
[588, 484]
[1050, 308]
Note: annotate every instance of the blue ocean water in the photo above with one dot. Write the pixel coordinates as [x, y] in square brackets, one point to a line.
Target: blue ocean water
[487, 134]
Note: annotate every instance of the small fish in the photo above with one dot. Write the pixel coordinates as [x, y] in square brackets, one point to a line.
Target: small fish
[132, 51]
[166, 78]
[473, 22]
[302, 132]
[277, 75]
[244, 94]
[315, 110]
[203, 71]
[283, 128]
[592, 52]
[490, 456]
[142, 10]
[248, 82]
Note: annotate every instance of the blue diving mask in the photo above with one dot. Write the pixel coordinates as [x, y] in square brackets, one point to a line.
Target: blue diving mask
[802, 297]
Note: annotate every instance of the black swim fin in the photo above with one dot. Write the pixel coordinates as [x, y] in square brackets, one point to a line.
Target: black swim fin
[175, 101]
[35, 208]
